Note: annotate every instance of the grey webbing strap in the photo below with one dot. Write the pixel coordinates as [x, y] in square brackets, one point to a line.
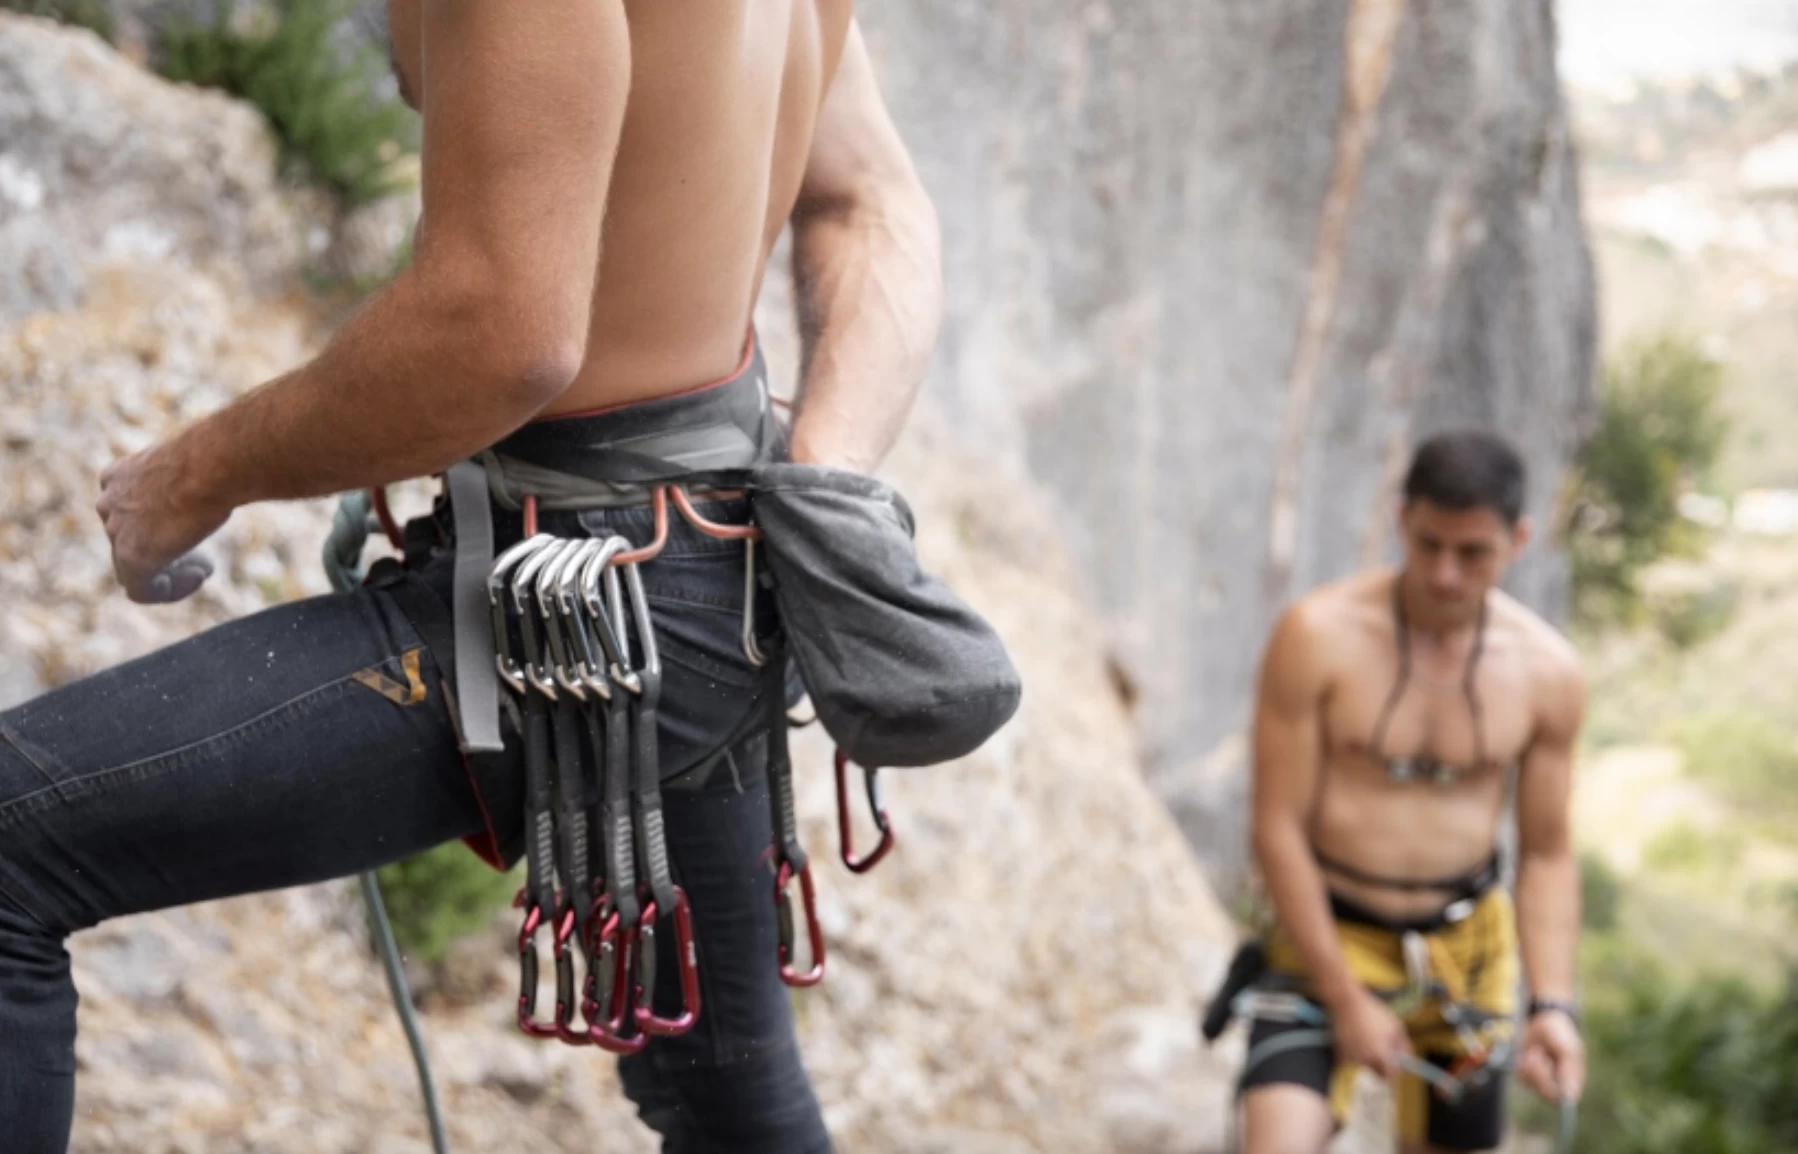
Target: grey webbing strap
[477, 685]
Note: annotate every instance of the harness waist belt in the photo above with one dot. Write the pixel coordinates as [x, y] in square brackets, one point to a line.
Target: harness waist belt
[1466, 889]
[587, 461]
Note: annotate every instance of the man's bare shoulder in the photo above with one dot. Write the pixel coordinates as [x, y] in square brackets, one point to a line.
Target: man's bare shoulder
[1557, 679]
[1552, 656]
[1318, 631]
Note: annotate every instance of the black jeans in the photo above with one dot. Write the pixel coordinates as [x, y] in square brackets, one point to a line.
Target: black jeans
[311, 741]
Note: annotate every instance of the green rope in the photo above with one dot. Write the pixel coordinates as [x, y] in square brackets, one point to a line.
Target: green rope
[343, 567]
[1569, 1124]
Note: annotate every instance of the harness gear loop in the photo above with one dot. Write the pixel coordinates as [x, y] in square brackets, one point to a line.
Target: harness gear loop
[649, 552]
[871, 782]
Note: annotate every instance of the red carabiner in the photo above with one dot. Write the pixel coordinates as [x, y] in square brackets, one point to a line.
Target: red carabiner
[647, 1021]
[612, 944]
[845, 827]
[784, 906]
[565, 1001]
[527, 976]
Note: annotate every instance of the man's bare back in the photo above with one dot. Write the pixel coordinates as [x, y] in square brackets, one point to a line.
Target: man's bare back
[723, 100]
[1417, 830]
[603, 182]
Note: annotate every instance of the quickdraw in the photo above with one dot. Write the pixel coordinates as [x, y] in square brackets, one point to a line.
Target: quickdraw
[575, 644]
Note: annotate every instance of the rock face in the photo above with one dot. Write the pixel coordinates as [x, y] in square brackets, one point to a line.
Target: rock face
[1212, 267]
[1020, 976]
[123, 169]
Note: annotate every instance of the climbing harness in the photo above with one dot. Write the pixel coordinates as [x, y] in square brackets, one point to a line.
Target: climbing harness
[1252, 993]
[553, 642]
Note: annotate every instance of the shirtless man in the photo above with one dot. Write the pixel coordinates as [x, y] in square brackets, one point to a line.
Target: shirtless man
[1391, 708]
[603, 183]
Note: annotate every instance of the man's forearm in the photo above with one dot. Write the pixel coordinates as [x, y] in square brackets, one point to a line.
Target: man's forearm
[868, 276]
[415, 381]
[1303, 905]
[1548, 920]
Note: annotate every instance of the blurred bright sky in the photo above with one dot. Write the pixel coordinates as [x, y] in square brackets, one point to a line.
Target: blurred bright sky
[1606, 43]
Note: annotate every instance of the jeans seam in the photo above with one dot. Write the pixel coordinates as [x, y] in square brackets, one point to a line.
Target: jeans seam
[13, 744]
[16, 806]
[25, 907]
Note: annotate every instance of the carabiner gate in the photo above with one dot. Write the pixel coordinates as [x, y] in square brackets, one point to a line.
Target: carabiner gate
[527, 985]
[845, 827]
[784, 908]
[688, 961]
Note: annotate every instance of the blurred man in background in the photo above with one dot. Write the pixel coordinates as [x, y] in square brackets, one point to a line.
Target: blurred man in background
[1391, 708]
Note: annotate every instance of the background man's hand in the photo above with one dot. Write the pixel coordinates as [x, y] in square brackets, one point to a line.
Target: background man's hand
[153, 529]
[1554, 1057]
[1369, 1034]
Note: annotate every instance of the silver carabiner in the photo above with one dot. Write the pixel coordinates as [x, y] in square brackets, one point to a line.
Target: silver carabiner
[509, 670]
[561, 662]
[523, 586]
[584, 612]
[646, 634]
[752, 648]
[622, 671]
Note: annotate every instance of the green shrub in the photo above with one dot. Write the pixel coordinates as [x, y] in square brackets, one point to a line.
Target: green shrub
[1703, 1067]
[1748, 758]
[327, 101]
[1689, 617]
[1684, 848]
[94, 15]
[1601, 893]
[441, 895]
[1660, 431]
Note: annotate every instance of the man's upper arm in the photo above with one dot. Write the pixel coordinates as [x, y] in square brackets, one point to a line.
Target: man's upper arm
[1288, 741]
[1545, 780]
[856, 149]
[523, 106]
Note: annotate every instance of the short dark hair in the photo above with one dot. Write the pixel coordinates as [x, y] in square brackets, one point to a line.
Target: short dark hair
[1468, 469]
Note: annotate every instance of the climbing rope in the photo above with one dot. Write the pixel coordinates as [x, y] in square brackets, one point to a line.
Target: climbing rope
[350, 528]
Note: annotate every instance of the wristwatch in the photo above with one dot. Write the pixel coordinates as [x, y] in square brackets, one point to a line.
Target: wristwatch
[1562, 1005]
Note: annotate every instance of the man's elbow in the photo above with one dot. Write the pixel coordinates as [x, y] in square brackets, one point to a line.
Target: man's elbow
[891, 195]
[1270, 835]
[1547, 851]
[538, 370]
[516, 335]
[520, 348]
